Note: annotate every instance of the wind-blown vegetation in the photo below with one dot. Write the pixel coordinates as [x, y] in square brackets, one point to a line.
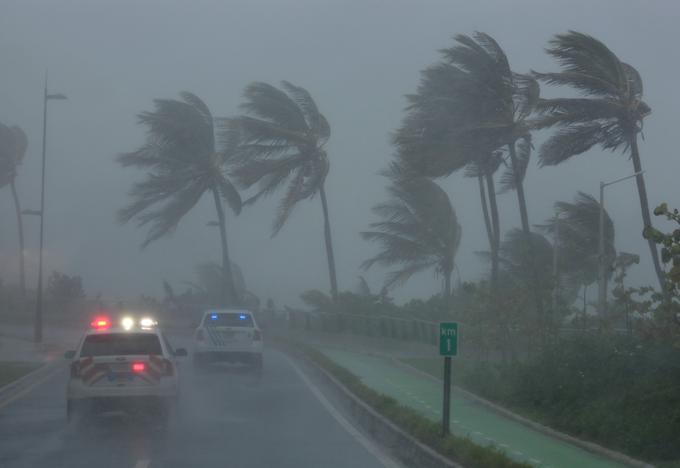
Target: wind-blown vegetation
[418, 231]
[281, 140]
[13, 144]
[183, 163]
[609, 113]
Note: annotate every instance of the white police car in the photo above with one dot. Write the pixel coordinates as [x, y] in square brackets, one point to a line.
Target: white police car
[128, 367]
[228, 335]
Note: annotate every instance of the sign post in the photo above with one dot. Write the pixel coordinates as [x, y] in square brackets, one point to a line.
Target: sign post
[448, 346]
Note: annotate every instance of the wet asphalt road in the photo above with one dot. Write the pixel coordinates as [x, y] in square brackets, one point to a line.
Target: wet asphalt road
[227, 419]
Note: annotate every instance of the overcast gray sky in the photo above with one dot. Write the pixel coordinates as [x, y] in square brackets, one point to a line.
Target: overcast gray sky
[357, 58]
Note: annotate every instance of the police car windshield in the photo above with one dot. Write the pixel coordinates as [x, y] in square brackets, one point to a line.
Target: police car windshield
[228, 320]
[121, 344]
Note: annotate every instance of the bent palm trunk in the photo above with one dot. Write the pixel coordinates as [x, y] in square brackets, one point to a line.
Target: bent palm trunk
[329, 245]
[229, 295]
[496, 233]
[485, 210]
[646, 218]
[538, 300]
[22, 268]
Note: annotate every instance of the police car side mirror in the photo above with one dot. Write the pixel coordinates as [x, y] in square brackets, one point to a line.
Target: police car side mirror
[181, 352]
[70, 354]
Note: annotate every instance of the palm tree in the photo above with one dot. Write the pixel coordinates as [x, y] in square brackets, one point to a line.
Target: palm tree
[472, 104]
[281, 141]
[484, 168]
[13, 144]
[419, 231]
[609, 112]
[575, 230]
[183, 164]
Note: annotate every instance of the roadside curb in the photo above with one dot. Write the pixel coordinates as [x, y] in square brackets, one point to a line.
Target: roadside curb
[589, 446]
[401, 444]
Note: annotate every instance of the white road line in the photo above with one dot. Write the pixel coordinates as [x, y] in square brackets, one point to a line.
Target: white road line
[534, 460]
[30, 388]
[386, 461]
[142, 463]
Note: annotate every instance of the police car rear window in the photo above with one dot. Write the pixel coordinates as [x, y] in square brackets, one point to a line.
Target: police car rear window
[121, 344]
[228, 320]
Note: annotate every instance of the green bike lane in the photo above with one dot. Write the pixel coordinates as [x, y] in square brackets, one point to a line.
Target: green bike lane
[469, 418]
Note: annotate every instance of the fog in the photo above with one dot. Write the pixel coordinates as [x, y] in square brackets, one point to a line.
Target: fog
[357, 59]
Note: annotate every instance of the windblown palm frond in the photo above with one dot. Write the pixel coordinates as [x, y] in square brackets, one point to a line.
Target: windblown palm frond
[13, 144]
[281, 140]
[182, 165]
[609, 114]
[418, 231]
[518, 256]
[576, 228]
[508, 179]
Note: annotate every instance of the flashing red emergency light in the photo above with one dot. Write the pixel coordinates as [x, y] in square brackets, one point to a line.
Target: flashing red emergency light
[138, 367]
[100, 323]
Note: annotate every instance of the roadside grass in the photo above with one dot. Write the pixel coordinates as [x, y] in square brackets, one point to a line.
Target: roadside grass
[11, 370]
[459, 449]
[640, 417]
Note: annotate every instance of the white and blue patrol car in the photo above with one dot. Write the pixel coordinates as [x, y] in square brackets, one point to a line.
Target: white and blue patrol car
[228, 335]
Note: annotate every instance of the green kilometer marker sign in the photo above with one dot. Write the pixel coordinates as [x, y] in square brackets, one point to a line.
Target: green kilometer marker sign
[448, 339]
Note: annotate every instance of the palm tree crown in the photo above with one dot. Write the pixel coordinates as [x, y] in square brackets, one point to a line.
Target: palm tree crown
[281, 140]
[611, 109]
[419, 230]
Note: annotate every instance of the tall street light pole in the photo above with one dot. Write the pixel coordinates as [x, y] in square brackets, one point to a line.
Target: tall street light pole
[37, 330]
[602, 266]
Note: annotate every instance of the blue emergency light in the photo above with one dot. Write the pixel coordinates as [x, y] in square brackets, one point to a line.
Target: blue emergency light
[213, 317]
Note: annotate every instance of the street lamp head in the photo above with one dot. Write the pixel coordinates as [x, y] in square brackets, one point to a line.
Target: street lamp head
[57, 96]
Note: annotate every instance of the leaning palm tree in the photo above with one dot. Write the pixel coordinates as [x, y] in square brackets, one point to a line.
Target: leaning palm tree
[13, 144]
[281, 141]
[419, 230]
[575, 232]
[484, 168]
[472, 104]
[609, 112]
[183, 164]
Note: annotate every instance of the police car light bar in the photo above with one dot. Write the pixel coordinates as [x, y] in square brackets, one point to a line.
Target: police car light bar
[127, 323]
[100, 323]
[147, 322]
